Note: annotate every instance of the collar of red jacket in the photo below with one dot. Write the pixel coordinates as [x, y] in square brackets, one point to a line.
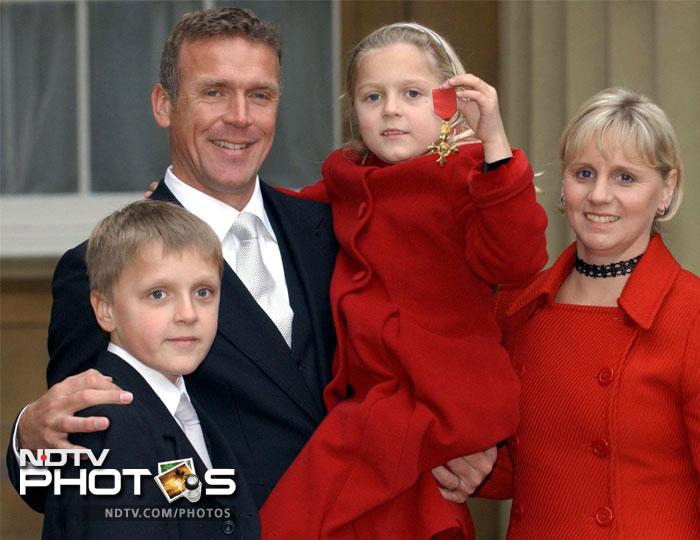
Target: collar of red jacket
[641, 298]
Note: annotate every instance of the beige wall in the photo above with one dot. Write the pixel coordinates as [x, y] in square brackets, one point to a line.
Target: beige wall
[557, 54]
[25, 304]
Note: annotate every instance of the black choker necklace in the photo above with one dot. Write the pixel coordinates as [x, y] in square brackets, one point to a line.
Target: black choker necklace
[621, 268]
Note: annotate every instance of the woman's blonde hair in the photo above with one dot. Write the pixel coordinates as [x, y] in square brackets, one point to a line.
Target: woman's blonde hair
[443, 57]
[620, 116]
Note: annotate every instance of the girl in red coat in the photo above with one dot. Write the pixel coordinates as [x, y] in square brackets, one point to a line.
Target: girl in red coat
[419, 375]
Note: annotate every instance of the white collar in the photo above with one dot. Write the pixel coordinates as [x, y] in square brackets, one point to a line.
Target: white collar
[168, 392]
[218, 215]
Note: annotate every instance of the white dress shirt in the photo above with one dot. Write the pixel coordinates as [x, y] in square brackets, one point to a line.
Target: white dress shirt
[220, 216]
[167, 391]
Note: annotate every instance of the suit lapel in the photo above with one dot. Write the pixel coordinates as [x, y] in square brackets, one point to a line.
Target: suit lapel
[155, 412]
[245, 324]
[306, 229]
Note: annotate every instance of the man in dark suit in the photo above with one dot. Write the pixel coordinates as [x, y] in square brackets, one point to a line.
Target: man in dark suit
[218, 98]
[261, 383]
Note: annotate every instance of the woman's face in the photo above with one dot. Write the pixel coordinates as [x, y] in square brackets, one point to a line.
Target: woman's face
[611, 203]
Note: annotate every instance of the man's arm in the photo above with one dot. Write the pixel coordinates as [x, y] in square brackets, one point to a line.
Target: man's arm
[75, 339]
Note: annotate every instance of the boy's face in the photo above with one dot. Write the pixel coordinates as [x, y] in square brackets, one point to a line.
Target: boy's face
[163, 309]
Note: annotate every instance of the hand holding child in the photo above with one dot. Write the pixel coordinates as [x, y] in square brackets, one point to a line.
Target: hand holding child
[478, 102]
[47, 422]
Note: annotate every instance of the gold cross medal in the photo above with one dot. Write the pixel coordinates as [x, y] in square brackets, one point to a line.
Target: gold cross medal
[445, 106]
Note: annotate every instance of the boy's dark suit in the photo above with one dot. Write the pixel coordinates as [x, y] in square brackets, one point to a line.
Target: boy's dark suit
[140, 436]
[266, 400]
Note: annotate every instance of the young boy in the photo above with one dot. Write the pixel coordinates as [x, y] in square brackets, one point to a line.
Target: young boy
[155, 273]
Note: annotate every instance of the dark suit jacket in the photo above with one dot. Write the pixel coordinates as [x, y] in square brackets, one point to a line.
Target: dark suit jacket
[140, 436]
[260, 398]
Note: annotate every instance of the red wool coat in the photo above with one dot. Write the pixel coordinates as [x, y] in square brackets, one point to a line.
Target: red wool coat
[608, 445]
[419, 375]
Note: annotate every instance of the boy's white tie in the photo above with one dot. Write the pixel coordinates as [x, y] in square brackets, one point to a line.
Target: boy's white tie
[251, 270]
[189, 422]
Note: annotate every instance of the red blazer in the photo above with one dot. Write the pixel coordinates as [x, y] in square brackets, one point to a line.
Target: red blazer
[609, 444]
[420, 376]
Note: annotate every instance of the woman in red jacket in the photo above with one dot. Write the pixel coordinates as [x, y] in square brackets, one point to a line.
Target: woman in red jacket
[419, 373]
[606, 343]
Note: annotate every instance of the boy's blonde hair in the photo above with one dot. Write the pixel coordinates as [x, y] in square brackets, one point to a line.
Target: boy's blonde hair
[119, 238]
[441, 54]
[619, 116]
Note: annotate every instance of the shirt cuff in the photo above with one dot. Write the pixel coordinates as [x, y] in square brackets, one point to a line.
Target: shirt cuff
[15, 438]
[495, 165]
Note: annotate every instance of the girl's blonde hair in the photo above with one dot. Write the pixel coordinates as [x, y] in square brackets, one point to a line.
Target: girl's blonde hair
[443, 57]
[619, 116]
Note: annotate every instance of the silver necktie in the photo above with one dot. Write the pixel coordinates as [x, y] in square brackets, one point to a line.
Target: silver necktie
[252, 271]
[189, 422]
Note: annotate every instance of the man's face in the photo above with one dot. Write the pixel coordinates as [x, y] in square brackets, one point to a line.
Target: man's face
[223, 122]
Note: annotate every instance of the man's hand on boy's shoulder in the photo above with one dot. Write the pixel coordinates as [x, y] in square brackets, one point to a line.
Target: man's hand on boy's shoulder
[46, 422]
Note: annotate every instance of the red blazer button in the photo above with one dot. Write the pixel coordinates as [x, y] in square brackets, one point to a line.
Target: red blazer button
[605, 376]
[601, 448]
[604, 516]
[516, 511]
[361, 209]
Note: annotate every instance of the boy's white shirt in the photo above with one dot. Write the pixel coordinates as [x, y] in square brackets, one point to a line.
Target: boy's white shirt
[167, 391]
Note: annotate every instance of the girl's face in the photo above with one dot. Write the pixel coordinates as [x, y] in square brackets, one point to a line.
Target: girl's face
[611, 203]
[394, 104]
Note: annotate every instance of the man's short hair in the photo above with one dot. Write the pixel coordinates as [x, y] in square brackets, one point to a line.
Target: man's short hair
[213, 23]
[119, 239]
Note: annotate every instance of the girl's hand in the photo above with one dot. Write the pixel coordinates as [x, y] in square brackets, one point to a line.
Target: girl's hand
[478, 102]
[151, 188]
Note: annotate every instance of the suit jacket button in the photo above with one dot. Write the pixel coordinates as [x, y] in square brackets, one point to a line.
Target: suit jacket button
[604, 516]
[605, 376]
[228, 527]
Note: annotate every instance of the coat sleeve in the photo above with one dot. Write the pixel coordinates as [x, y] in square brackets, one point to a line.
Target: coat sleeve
[499, 484]
[75, 338]
[505, 229]
[315, 192]
[691, 396]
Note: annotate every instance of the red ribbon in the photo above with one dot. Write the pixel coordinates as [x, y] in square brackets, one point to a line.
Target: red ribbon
[445, 102]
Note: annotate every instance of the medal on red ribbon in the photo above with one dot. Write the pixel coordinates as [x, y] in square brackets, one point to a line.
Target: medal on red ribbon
[445, 106]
